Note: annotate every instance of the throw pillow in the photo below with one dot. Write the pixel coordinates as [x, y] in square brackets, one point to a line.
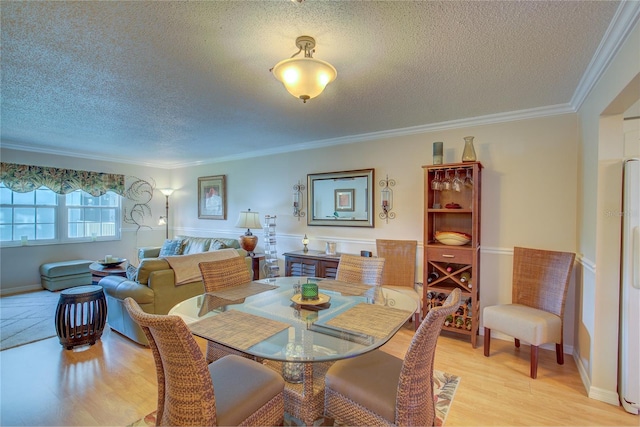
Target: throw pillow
[171, 247]
[132, 272]
[216, 245]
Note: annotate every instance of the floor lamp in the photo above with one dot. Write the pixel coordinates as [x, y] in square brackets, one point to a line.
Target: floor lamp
[165, 219]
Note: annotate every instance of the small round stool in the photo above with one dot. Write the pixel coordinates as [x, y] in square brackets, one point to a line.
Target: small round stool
[81, 315]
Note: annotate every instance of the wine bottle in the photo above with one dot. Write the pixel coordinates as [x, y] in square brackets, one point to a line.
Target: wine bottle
[465, 277]
[433, 276]
[449, 268]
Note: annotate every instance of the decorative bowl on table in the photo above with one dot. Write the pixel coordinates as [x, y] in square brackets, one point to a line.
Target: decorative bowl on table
[452, 238]
[113, 262]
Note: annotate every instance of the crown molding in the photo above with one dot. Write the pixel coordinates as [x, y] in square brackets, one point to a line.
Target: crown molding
[621, 25]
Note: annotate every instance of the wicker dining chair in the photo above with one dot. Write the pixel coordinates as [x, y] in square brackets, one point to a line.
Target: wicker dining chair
[358, 269]
[380, 389]
[539, 291]
[230, 391]
[218, 275]
[399, 272]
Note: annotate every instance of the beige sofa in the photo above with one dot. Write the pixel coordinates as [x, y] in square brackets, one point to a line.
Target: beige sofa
[153, 285]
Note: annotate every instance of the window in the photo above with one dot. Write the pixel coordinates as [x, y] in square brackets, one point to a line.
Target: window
[46, 217]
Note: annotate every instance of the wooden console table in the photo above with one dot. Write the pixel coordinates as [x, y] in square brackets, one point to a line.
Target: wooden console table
[311, 263]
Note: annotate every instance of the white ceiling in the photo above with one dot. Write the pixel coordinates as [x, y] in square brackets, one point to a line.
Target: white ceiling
[177, 83]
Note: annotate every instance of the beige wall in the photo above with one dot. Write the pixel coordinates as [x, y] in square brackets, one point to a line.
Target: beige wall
[529, 193]
[19, 266]
[602, 148]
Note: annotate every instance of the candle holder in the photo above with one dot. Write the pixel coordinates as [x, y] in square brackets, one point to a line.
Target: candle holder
[309, 291]
[297, 200]
[386, 198]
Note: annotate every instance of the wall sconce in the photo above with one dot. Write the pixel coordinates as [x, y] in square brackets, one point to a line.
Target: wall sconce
[164, 220]
[297, 200]
[305, 242]
[386, 199]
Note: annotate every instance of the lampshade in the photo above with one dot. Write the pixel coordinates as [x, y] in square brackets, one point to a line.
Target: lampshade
[304, 78]
[248, 220]
[166, 191]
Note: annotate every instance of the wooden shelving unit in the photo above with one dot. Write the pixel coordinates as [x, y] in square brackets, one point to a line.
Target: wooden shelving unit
[451, 264]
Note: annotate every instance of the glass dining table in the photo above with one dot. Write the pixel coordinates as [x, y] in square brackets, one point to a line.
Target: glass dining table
[300, 339]
[267, 318]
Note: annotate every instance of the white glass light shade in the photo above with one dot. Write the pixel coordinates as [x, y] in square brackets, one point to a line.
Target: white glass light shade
[248, 219]
[166, 191]
[304, 78]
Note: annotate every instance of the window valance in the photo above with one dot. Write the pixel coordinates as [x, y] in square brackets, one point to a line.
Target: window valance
[24, 178]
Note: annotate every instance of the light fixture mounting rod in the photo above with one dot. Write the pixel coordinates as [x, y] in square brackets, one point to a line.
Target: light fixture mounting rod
[306, 44]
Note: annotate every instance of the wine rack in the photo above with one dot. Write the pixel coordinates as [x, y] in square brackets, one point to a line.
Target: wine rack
[447, 267]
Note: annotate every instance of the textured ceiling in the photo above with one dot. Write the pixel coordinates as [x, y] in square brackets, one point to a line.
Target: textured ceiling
[176, 83]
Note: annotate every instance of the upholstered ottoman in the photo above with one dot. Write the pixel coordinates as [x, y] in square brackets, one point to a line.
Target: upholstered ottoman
[55, 276]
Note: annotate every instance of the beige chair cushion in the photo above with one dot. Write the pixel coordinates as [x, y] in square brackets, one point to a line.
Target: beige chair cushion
[370, 380]
[247, 387]
[524, 323]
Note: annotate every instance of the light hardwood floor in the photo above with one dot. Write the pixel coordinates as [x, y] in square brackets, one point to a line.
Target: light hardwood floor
[113, 383]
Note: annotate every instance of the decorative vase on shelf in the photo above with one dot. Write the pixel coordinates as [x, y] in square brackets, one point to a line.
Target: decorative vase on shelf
[469, 153]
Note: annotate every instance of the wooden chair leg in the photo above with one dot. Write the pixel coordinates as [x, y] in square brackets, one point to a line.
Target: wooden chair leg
[534, 361]
[487, 341]
[560, 353]
[517, 342]
[416, 320]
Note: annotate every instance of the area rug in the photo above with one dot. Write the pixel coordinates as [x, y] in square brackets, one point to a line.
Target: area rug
[444, 388]
[27, 317]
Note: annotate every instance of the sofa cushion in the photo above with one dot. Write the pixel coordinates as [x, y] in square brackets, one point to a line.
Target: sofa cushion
[195, 245]
[216, 245]
[148, 266]
[172, 247]
[65, 268]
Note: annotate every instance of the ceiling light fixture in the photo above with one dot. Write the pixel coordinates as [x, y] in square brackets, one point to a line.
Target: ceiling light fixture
[304, 78]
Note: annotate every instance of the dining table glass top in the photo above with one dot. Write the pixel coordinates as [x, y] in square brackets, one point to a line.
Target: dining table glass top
[268, 319]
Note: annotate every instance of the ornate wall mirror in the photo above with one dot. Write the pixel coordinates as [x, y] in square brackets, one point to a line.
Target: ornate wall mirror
[341, 198]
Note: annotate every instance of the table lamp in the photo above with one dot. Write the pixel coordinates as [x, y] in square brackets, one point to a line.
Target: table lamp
[248, 220]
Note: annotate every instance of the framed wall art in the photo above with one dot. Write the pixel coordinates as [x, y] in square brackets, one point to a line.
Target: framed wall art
[344, 200]
[212, 197]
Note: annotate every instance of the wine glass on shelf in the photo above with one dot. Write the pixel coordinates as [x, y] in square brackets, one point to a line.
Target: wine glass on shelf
[468, 182]
[456, 184]
[446, 183]
[435, 184]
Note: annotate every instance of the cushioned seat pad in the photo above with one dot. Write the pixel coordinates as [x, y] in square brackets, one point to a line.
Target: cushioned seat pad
[65, 268]
[370, 380]
[523, 322]
[240, 378]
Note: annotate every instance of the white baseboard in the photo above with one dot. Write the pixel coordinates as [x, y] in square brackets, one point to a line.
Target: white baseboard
[596, 393]
[21, 289]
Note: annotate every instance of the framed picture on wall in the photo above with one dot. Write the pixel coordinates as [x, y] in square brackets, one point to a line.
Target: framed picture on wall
[212, 197]
[344, 200]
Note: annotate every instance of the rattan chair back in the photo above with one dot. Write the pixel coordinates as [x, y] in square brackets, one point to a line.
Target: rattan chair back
[217, 275]
[400, 261]
[541, 278]
[414, 402]
[358, 269]
[185, 389]
[224, 273]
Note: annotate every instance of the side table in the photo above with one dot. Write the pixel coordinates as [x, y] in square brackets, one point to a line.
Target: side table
[255, 265]
[98, 271]
[81, 315]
